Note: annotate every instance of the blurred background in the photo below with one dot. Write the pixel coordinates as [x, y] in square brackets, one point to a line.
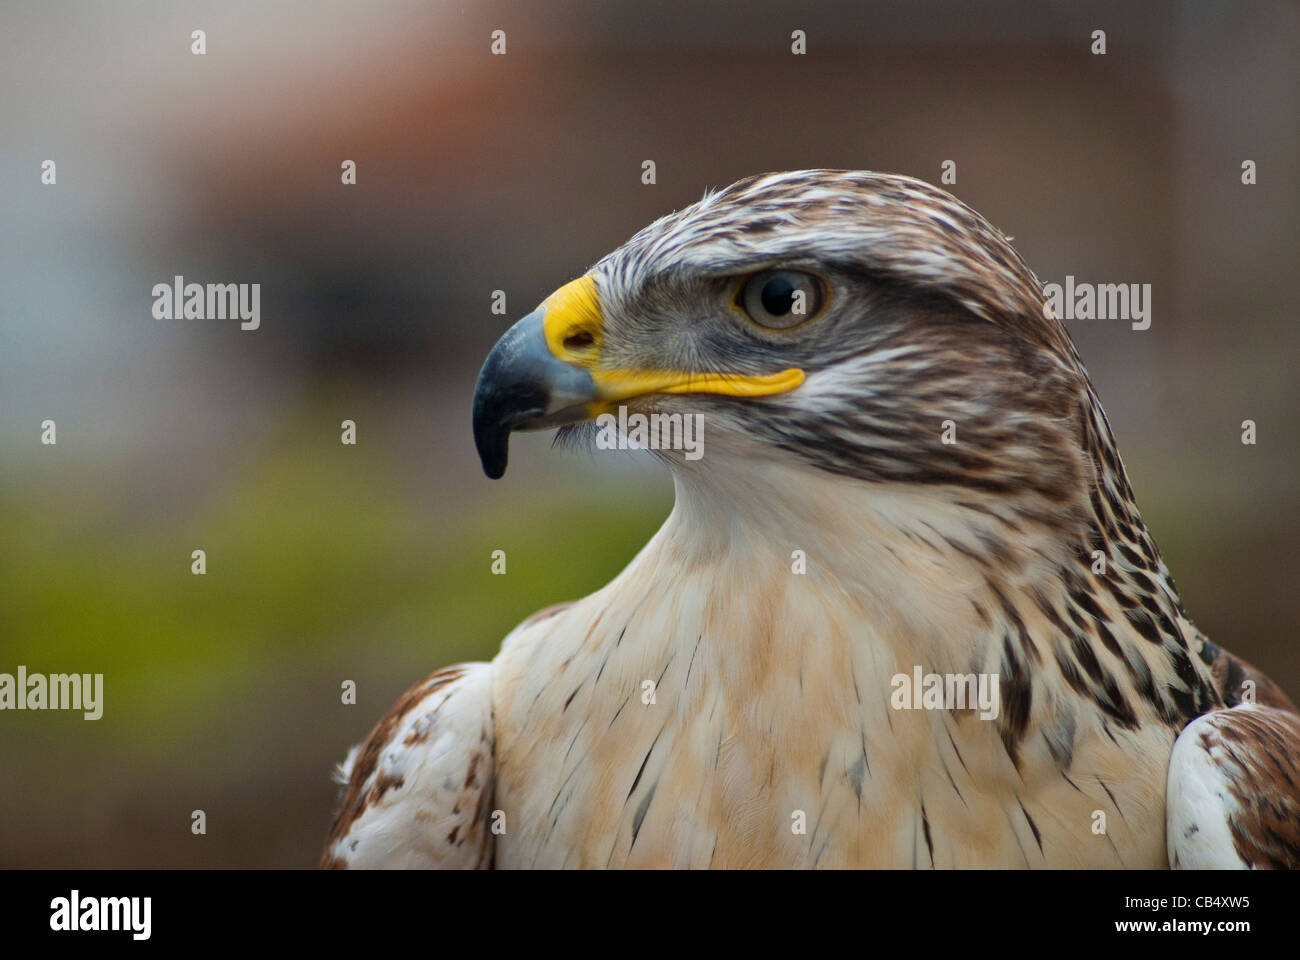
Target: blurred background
[477, 173]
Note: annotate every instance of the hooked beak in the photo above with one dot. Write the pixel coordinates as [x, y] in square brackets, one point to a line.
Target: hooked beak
[545, 372]
[523, 386]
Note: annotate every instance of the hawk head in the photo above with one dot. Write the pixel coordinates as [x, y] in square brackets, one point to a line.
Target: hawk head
[863, 324]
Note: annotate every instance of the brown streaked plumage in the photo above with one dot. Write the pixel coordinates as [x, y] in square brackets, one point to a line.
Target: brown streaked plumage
[927, 439]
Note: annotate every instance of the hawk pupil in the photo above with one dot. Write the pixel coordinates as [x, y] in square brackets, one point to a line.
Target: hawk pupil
[778, 296]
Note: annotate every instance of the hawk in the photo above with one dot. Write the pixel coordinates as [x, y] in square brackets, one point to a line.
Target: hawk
[905, 469]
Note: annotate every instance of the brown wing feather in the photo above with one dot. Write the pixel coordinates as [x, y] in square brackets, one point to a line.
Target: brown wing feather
[1234, 790]
[419, 788]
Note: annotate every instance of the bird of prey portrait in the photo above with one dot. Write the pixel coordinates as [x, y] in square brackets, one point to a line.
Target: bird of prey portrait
[905, 471]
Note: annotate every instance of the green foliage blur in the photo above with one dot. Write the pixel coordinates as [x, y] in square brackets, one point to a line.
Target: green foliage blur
[223, 690]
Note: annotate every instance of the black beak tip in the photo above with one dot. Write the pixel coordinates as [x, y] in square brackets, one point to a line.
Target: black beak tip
[497, 414]
[494, 459]
[491, 437]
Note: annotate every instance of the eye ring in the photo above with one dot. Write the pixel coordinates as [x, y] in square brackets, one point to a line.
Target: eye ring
[781, 299]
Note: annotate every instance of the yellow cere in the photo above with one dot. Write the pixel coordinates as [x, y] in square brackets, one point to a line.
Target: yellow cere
[571, 311]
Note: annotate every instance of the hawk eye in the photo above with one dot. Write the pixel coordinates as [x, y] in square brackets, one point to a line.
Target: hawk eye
[780, 299]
